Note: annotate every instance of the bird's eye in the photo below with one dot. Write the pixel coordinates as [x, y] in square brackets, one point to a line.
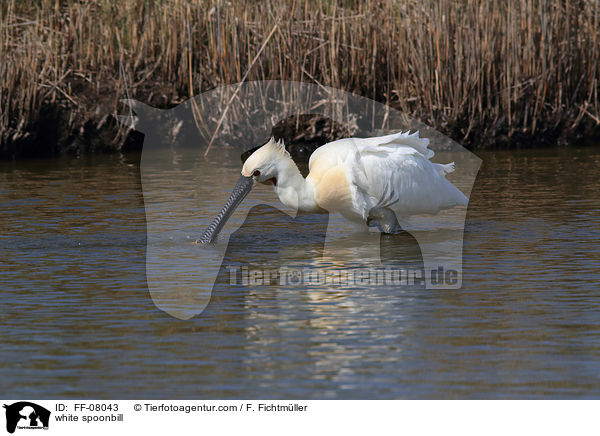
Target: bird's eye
[256, 173]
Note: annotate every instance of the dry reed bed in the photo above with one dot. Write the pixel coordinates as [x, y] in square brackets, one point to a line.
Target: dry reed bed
[520, 70]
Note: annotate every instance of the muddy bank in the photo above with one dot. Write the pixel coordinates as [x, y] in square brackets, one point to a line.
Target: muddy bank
[90, 126]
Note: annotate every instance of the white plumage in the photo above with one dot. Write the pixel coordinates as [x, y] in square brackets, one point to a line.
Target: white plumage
[353, 176]
[392, 171]
[368, 180]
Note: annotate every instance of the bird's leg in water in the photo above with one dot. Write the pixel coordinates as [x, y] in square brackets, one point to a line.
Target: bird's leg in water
[384, 219]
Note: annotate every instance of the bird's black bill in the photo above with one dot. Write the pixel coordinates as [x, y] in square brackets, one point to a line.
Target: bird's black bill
[242, 188]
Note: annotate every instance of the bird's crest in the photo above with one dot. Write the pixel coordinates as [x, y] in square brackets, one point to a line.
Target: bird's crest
[269, 152]
[277, 146]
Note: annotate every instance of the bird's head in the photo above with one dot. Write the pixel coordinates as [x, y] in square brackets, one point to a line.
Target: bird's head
[262, 166]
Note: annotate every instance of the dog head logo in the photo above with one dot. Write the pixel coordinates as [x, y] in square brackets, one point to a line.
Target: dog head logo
[24, 414]
[191, 161]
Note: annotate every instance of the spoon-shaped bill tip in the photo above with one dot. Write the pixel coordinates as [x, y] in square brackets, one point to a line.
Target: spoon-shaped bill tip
[241, 189]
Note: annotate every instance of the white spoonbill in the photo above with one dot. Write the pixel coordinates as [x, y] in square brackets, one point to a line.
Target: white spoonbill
[368, 180]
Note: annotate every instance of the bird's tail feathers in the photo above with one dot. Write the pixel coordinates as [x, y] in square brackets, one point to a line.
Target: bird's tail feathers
[446, 168]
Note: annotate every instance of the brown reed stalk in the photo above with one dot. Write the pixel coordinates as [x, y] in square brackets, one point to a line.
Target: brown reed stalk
[478, 70]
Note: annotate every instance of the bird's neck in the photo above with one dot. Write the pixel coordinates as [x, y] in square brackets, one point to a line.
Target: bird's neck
[294, 190]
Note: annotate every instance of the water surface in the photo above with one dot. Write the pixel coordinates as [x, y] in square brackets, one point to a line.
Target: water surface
[78, 320]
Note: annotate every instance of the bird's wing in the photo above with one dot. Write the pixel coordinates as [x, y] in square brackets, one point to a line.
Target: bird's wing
[391, 171]
[344, 149]
[400, 139]
[401, 179]
[377, 177]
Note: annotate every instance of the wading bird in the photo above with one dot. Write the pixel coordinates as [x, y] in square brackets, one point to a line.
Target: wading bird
[367, 180]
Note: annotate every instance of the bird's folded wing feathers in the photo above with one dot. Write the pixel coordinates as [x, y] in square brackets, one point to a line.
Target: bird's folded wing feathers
[375, 175]
[377, 167]
[395, 179]
[399, 139]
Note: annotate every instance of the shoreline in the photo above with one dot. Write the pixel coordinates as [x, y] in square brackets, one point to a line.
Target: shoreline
[100, 133]
[104, 136]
